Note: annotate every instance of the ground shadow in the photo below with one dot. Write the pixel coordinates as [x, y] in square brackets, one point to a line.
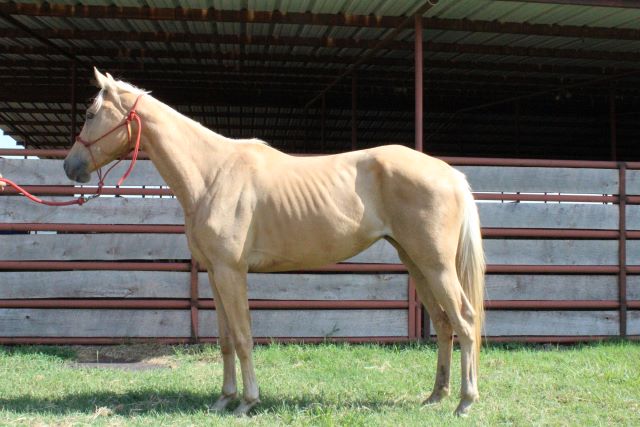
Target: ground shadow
[125, 353]
[487, 344]
[143, 402]
[58, 352]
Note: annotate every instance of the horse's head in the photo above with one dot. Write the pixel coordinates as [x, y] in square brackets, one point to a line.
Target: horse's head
[104, 136]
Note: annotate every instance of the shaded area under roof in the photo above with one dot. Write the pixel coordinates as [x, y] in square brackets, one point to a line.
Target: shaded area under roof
[247, 69]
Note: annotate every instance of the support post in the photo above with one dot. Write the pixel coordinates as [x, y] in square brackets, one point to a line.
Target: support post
[354, 106]
[612, 124]
[418, 83]
[622, 248]
[322, 123]
[305, 125]
[194, 297]
[74, 113]
[415, 315]
[517, 126]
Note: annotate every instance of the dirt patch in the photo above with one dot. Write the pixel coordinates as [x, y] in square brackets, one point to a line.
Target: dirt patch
[133, 357]
[131, 366]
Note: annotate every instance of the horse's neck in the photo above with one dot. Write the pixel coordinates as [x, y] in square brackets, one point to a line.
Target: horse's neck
[184, 153]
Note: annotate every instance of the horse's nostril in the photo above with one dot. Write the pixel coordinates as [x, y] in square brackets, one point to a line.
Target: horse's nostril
[68, 169]
[76, 170]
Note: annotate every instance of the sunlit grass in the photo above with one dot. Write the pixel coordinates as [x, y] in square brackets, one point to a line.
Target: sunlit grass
[326, 384]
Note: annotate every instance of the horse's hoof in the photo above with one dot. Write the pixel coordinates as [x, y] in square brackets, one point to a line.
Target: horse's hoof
[223, 401]
[464, 406]
[244, 407]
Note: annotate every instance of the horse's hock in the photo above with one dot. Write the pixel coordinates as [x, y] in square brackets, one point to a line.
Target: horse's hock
[562, 250]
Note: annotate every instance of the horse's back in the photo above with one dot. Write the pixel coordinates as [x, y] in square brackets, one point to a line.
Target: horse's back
[401, 161]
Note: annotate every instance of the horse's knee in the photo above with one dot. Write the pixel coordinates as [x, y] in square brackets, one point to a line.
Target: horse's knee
[226, 346]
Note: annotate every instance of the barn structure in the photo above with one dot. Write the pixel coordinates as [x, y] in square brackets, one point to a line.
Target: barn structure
[535, 100]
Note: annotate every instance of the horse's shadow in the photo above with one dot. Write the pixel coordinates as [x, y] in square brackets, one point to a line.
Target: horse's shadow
[168, 402]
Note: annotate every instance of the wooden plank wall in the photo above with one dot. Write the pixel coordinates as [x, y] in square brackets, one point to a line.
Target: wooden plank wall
[553, 270]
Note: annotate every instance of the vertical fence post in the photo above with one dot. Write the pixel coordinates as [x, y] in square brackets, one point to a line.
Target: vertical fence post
[323, 123]
[415, 315]
[354, 118]
[418, 84]
[612, 124]
[622, 247]
[73, 102]
[411, 294]
[305, 124]
[517, 125]
[194, 301]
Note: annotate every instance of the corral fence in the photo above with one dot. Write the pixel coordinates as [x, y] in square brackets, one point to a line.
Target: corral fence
[562, 241]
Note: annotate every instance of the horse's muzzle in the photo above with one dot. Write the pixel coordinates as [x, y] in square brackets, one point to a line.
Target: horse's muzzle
[76, 170]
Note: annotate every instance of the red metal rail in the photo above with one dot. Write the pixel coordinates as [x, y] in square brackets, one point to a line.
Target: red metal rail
[458, 161]
[48, 190]
[44, 190]
[333, 268]
[179, 229]
[206, 304]
[568, 339]
[209, 304]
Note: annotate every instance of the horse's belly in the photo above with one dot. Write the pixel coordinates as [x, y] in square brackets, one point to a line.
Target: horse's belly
[295, 248]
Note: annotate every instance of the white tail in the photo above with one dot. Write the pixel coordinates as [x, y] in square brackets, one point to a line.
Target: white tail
[470, 263]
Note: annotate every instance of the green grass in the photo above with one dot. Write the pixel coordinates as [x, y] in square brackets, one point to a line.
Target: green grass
[354, 385]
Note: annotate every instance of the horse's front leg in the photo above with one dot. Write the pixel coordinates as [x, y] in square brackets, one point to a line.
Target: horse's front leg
[231, 290]
[229, 385]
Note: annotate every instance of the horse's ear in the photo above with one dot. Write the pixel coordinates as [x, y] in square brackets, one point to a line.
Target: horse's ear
[101, 79]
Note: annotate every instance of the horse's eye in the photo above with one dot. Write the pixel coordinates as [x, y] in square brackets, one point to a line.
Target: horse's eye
[90, 116]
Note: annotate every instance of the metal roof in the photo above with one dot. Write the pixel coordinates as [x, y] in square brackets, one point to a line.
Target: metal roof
[248, 68]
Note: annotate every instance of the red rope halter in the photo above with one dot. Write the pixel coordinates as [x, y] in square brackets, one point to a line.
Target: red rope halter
[132, 115]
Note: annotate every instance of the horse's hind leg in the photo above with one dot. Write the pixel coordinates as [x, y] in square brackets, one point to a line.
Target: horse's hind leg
[444, 284]
[444, 331]
[229, 385]
[441, 280]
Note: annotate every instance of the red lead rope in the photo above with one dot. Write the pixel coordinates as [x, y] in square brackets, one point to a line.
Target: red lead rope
[131, 116]
[25, 193]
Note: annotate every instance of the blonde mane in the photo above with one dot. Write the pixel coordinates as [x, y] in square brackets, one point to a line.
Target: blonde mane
[128, 87]
[118, 85]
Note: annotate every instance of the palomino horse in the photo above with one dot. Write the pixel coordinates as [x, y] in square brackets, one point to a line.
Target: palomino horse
[249, 207]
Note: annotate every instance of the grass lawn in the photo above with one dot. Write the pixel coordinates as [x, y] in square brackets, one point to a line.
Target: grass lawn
[354, 385]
